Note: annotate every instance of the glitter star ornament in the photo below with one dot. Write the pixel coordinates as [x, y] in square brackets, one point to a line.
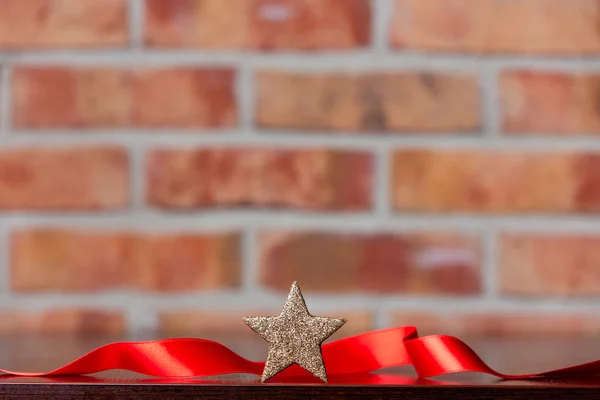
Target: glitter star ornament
[294, 337]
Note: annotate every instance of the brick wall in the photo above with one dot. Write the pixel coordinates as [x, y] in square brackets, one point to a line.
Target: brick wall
[177, 164]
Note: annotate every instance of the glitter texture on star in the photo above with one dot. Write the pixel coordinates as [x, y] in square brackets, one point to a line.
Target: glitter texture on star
[294, 337]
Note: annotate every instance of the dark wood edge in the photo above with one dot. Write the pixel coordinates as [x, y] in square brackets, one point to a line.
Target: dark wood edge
[134, 391]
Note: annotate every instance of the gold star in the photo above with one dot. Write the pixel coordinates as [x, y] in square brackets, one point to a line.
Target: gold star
[294, 337]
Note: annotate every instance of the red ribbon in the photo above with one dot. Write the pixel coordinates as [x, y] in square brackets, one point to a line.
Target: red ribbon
[430, 356]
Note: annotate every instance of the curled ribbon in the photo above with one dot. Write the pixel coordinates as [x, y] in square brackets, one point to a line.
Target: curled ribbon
[429, 355]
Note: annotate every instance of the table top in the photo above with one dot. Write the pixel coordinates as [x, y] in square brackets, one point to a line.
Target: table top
[514, 356]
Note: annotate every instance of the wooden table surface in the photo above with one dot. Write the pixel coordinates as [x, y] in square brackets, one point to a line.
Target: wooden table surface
[30, 353]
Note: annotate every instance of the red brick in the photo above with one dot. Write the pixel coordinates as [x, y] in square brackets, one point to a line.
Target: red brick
[307, 179]
[259, 24]
[229, 322]
[495, 181]
[550, 265]
[377, 263]
[64, 179]
[64, 97]
[383, 101]
[62, 321]
[500, 324]
[72, 261]
[184, 97]
[496, 26]
[62, 23]
[550, 103]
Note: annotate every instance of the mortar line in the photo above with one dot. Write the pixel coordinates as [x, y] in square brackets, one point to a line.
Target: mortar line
[136, 16]
[137, 183]
[381, 182]
[245, 97]
[5, 102]
[489, 265]
[5, 252]
[185, 139]
[381, 318]
[139, 315]
[491, 112]
[381, 19]
[373, 59]
[450, 305]
[218, 221]
[270, 299]
[249, 260]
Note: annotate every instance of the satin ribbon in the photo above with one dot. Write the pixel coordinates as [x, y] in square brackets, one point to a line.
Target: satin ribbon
[429, 355]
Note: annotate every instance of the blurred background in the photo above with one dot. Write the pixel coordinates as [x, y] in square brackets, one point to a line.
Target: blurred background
[170, 166]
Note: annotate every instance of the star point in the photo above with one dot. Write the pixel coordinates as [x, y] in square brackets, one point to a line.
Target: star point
[294, 336]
